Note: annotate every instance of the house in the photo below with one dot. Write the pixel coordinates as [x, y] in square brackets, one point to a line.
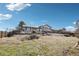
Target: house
[45, 28]
[39, 29]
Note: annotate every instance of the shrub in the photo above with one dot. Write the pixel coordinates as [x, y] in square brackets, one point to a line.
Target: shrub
[31, 37]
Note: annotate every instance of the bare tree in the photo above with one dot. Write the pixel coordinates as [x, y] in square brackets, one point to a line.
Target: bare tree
[77, 30]
[77, 24]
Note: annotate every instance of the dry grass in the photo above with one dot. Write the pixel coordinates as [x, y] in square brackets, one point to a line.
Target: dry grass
[45, 45]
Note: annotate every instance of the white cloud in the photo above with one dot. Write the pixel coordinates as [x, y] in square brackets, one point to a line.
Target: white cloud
[70, 28]
[5, 16]
[17, 6]
[74, 22]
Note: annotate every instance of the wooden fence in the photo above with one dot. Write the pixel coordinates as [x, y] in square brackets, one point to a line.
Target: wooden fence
[3, 34]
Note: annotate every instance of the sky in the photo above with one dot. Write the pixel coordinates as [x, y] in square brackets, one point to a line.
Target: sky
[56, 15]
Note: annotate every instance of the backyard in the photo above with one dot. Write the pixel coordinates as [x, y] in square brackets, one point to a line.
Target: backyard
[53, 45]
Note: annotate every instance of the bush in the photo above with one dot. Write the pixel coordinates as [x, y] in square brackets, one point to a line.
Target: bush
[33, 37]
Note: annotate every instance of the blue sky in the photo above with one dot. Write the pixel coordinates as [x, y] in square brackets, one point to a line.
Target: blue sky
[35, 14]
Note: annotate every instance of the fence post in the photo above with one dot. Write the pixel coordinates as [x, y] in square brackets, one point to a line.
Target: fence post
[1, 34]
